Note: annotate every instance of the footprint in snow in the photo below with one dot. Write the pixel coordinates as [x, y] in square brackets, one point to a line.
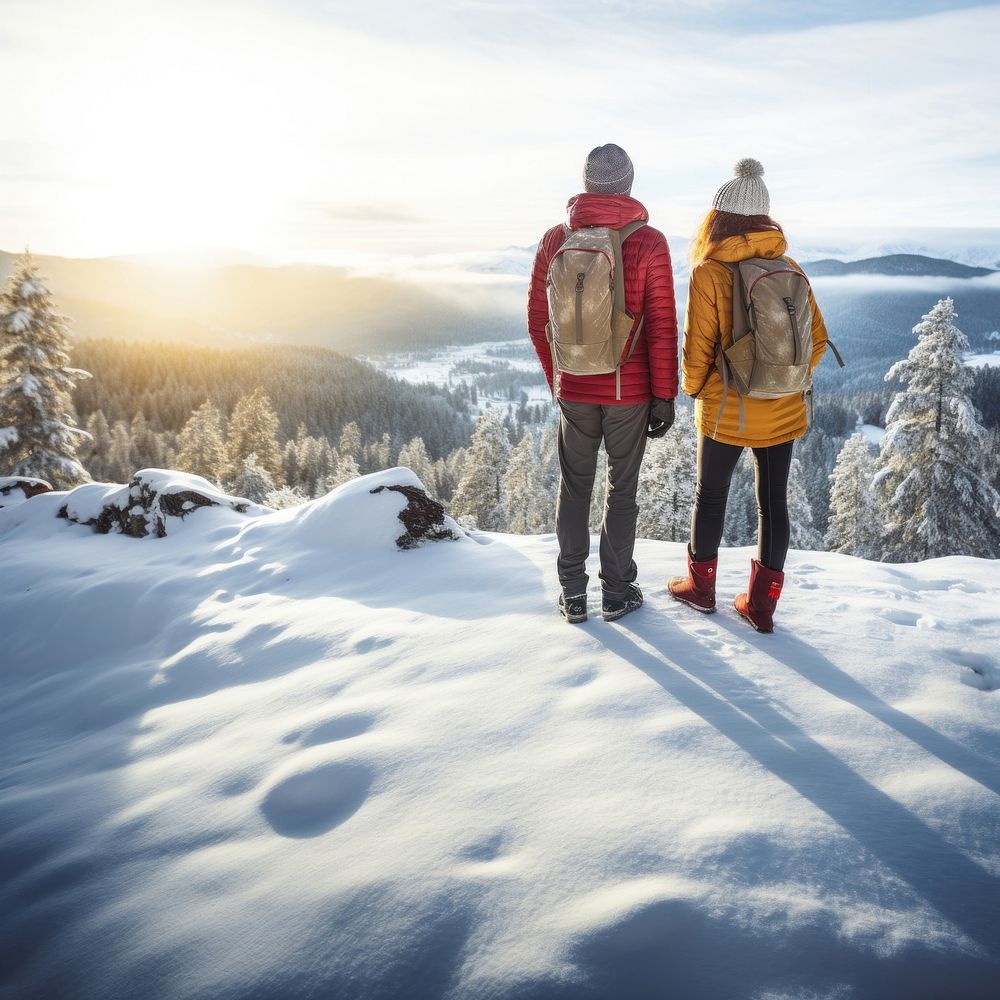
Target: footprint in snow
[896, 617]
[487, 849]
[313, 802]
[580, 678]
[370, 644]
[985, 670]
[343, 727]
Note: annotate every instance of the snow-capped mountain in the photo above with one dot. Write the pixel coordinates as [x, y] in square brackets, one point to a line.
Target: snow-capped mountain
[902, 265]
[288, 754]
[977, 248]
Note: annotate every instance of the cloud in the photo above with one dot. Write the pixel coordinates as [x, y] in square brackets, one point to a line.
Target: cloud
[906, 283]
[142, 126]
[367, 213]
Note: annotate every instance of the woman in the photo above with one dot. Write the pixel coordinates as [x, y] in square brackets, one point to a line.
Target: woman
[737, 228]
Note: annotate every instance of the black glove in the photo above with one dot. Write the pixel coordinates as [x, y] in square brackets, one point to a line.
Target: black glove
[661, 417]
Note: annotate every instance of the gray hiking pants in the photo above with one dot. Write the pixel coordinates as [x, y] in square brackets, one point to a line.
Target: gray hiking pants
[582, 427]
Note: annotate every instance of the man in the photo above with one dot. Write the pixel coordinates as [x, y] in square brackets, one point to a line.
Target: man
[621, 407]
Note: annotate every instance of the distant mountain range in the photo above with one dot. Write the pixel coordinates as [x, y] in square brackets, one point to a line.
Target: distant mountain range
[908, 264]
[240, 304]
[220, 300]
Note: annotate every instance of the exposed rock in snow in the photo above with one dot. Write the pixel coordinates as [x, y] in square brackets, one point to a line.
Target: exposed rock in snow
[423, 517]
[17, 489]
[143, 507]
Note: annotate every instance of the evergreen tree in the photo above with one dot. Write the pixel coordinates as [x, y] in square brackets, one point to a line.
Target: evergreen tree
[525, 506]
[666, 482]
[253, 481]
[121, 456]
[376, 455]
[38, 432]
[854, 516]
[599, 497]
[347, 469]
[413, 455]
[201, 449]
[934, 480]
[145, 442]
[95, 451]
[741, 507]
[479, 491]
[290, 461]
[284, 497]
[350, 441]
[253, 429]
[804, 534]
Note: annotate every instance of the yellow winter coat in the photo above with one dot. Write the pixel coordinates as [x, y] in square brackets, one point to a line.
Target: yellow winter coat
[709, 317]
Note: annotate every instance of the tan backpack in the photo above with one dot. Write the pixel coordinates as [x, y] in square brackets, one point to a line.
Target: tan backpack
[589, 326]
[772, 341]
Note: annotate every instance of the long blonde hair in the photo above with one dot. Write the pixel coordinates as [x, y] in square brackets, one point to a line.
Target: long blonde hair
[718, 226]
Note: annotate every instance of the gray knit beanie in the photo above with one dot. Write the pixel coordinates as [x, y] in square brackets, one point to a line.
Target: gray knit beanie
[608, 170]
[746, 193]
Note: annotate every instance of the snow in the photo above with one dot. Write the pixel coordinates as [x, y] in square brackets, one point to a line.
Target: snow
[982, 360]
[8, 437]
[872, 433]
[27, 385]
[20, 320]
[277, 756]
[438, 367]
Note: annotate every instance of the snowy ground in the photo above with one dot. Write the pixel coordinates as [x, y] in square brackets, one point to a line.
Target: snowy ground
[872, 433]
[275, 756]
[982, 360]
[438, 367]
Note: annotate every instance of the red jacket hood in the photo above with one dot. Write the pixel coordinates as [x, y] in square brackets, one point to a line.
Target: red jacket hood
[611, 210]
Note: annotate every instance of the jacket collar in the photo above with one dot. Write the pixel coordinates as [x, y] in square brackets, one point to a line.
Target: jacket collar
[611, 210]
[765, 243]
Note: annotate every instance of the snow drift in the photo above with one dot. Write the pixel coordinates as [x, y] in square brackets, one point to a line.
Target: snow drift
[277, 755]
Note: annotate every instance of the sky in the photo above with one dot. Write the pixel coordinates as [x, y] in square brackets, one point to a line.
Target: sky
[334, 132]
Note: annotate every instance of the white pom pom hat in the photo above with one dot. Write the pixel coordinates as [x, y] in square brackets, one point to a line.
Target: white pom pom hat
[746, 193]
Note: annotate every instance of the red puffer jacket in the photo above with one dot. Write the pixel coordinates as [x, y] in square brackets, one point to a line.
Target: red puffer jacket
[649, 289]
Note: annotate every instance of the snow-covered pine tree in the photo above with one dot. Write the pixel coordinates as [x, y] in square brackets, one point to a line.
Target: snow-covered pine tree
[253, 481]
[855, 521]
[804, 534]
[94, 453]
[290, 460]
[147, 447]
[317, 462]
[525, 505]
[933, 483]
[350, 441]
[347, 469]
[478, 494]
[413, 455]
[599, 498]
[38, 431]
[667, 481]
[284, 497]
[120, 462]
[741, 507]
[201, 447]
[253, 429]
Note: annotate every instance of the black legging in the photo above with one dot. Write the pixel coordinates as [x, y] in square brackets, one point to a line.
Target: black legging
[716, 462]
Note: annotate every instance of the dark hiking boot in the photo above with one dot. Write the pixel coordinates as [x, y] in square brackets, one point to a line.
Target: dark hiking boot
[573, 609]
[615, 607]
[757, 606]
[697, 589]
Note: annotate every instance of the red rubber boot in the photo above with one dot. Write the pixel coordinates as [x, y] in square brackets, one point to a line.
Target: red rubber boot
[757, 606]
[697, 589]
